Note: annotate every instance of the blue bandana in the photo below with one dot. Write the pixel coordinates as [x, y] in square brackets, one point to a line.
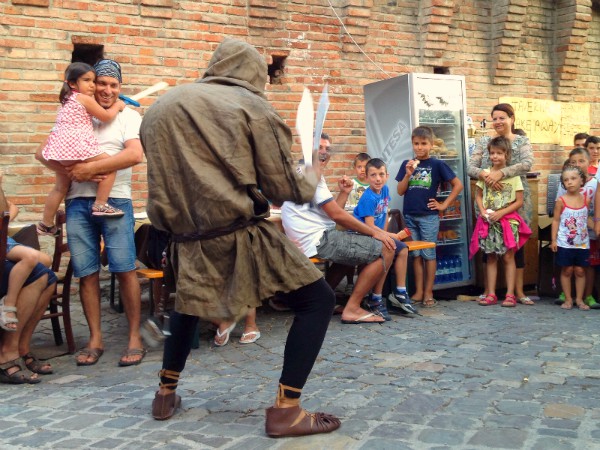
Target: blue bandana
[108, 68]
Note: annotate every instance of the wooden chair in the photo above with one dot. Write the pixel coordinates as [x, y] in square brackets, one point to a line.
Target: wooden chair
[62, 293]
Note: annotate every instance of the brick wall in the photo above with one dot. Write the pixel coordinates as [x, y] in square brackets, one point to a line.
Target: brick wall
[539, 49]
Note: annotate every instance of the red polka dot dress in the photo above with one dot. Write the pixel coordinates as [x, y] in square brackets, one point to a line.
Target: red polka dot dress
[72, 138]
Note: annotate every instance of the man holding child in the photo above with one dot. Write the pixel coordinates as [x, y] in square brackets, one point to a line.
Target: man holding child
[119, 139]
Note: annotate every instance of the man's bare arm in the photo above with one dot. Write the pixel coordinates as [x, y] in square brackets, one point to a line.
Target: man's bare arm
[131, 155]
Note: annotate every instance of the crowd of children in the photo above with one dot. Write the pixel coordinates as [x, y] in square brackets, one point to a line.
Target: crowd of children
[499, 230]
[421, 212]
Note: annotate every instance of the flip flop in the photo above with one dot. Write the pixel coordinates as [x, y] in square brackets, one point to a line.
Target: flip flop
[429, 303]
[362, 319]
[141, 352]
[526, 301]
[255, 337]
[225, 333]
[95, 353]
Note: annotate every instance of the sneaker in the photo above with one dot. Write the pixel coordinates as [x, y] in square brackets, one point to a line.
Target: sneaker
[378, 307]
[561, 299]
[402, 301]
[591, 302]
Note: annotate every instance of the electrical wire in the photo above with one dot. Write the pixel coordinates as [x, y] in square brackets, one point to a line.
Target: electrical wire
[355, 43]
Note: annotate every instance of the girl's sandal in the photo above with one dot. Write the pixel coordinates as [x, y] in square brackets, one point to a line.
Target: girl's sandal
[510, 301]
[106, 210]
[8, 316]
[489, 300]
[526, 301]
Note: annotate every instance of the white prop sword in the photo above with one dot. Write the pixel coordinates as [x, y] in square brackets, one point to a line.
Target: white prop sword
[151, 90]
[321, 113]
[304, 126]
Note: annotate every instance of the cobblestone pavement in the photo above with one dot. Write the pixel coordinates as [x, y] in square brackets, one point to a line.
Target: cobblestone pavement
[460, 376]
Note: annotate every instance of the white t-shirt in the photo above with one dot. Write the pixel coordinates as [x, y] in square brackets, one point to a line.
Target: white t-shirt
[111, 138]
[305, 224]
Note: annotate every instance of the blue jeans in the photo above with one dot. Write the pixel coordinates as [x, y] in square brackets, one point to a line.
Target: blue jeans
[423, 228]
[84, 231]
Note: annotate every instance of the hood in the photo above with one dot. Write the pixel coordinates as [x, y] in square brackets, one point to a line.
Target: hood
[238, 60]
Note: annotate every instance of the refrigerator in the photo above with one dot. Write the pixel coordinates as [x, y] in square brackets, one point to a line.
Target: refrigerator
[393, 108]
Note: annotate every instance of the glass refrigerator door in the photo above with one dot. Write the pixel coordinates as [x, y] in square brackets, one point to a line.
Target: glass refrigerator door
[439, 103]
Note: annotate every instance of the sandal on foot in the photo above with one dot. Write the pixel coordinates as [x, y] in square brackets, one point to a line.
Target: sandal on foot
[510, 301]
[526, 301]
[225, 333]
[106, 210]
[164, 406]
[429, 303]
[141, 352]
[35, 365]
[250, 337]
[45, 230]
[94, 353]
[21, 376]
[488, 300]
[5, 319]
[295, 421]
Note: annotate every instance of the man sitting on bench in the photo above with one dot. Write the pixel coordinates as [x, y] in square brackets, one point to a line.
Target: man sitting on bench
[311, 227]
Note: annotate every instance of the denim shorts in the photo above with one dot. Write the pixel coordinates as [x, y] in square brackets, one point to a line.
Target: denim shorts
[350, 249]
[567, 257]
[399, 246]
[84, 231]
[38, 271]
[423, 228]
[10, 244]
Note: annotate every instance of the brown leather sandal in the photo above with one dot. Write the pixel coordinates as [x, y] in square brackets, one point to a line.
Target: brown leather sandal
[164, 406]
[294, 420]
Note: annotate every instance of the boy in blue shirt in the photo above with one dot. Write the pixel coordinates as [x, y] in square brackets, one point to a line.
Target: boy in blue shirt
[372, 210]
[418, 180]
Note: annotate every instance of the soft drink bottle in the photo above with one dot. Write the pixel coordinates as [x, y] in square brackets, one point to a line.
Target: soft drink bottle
[438, 272]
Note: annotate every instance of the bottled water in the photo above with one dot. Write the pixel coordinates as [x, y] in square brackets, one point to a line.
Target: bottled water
[459, 275]
[438, 272]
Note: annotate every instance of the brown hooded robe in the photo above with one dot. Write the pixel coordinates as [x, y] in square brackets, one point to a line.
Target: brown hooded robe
[206, 143]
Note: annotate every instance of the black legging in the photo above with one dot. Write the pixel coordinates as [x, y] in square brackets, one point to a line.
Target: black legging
[312, 304]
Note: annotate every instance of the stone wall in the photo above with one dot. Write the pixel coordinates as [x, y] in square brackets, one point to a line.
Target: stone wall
[538, 49]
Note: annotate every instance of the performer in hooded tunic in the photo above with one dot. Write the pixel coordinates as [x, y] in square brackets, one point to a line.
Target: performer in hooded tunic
[216, 151]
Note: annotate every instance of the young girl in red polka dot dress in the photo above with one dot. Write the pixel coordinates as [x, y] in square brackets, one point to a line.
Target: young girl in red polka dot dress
[72, 140]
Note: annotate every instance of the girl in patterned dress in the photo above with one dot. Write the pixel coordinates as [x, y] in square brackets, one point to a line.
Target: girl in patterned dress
[570, 238]
[500, 231]
[72, 140]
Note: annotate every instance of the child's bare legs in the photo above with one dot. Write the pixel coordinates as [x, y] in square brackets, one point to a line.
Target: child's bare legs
[565, 283]
[25, 259]
[418, 268]
[491, 271]
[510, 270]
[580, 287]
[430, 268]
[104, 186]
[55, 198]
[519, 283]
[589, 281]
[400, 266]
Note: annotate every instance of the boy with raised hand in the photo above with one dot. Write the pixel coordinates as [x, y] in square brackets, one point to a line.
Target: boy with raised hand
[418, 181]
[372, 210]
